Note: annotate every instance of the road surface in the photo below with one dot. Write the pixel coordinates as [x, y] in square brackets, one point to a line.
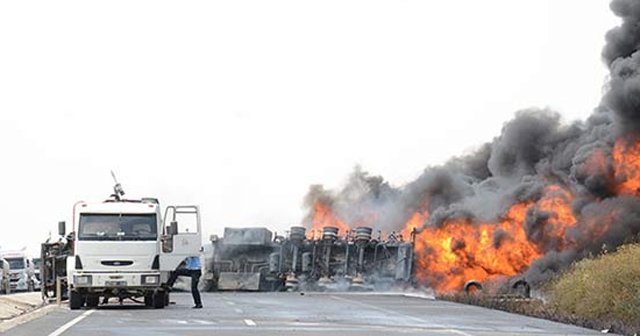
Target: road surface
[306, 314]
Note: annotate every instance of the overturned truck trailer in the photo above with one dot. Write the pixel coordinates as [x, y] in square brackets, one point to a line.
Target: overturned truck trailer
[253, 259]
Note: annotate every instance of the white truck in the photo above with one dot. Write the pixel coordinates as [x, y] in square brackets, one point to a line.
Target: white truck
[21, 271]
[126, 249]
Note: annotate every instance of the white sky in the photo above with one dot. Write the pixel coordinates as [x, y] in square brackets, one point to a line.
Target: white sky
[239, 106]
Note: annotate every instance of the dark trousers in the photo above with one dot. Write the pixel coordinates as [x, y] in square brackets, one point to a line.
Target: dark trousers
[195, 277]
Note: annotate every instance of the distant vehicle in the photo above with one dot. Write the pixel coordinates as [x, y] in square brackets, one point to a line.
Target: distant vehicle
[5, 287]
[21, 271]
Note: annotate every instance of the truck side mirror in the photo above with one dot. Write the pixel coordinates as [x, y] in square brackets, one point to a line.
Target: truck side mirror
[173, 228]
[62, 228]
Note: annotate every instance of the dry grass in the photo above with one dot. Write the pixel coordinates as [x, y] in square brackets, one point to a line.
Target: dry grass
[606, 288]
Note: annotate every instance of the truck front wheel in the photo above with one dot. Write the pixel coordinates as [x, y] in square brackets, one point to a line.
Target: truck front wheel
[76, 300]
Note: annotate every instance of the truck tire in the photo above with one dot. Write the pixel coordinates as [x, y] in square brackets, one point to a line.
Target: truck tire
[93, 301]
[158, 300]
[76, 300]
[166, 299]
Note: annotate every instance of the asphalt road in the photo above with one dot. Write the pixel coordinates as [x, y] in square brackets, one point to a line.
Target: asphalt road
[292, 314]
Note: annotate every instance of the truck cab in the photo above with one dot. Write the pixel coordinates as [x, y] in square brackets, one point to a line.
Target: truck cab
[21, 271]
[123, 249]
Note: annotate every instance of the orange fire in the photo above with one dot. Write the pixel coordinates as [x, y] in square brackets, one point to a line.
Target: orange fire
[463, 249]
[557, 202]
[324, 216]
[415, 222]
[626, 158]
[460, 250]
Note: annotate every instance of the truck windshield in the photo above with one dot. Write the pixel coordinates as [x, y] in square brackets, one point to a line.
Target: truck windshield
[117, 227]
[15, 263]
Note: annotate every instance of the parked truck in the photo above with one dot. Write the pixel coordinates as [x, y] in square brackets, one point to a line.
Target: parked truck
[126, 248]
[21, 270]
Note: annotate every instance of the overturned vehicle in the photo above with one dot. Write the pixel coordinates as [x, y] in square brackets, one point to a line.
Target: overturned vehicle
[254, 259]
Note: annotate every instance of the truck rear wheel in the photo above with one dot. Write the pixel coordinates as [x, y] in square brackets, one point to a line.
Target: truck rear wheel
[158, 300]
[76, 300]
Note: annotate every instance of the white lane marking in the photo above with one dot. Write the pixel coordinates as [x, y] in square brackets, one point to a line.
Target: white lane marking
[249, 323]
[230, 303]
[203, 322]
[70, 324]
[182, 322]
[238, 310]
[459, 332]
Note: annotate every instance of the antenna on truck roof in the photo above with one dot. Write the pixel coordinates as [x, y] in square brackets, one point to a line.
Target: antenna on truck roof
[117, 189]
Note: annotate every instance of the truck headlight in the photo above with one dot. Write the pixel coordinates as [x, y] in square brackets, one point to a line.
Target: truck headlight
[82, 280]
[150, 279]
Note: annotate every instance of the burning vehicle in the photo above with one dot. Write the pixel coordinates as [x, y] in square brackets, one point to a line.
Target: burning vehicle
[253, 259]
[521, 208]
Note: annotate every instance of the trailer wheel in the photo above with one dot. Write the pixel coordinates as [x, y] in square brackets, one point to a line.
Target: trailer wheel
[76, 300]
[472, 287]
[158, 300]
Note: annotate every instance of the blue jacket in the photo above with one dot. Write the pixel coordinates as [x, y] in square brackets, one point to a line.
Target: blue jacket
[192, 263]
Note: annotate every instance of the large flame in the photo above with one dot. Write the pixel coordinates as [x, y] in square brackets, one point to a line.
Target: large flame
[462, 249]
[459, 250]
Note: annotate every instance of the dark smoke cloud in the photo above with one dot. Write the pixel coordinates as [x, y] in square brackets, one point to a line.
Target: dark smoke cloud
[620, 54]
[534, 150]
[624, 40]
[623, 96]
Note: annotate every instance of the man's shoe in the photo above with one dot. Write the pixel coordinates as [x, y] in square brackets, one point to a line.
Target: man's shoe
[197, 306]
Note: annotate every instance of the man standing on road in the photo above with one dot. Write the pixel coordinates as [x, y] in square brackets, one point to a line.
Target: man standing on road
[191, 269]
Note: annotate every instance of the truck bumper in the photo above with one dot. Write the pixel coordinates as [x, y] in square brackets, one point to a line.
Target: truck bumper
[101, 282]
[20, 285]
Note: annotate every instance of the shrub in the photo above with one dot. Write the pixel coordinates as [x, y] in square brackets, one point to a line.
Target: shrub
[604, 289]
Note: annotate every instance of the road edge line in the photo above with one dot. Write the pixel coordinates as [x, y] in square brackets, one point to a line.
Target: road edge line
[26, 317]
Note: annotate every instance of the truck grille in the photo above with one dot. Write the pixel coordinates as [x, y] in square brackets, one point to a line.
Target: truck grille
[116, 262]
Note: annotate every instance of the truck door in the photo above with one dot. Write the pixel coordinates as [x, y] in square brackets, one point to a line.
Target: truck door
[182, 235]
